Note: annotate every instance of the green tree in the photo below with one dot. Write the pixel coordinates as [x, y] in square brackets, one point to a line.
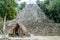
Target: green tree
[51, 9]
[54, 10]
[42, 5]
[8, 9]
[21, 6]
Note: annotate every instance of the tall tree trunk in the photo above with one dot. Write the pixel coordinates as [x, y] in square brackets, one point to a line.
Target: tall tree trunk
[4, 25]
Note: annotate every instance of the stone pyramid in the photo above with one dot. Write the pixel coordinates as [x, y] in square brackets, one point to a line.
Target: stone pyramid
[31, 14]
[36, 21]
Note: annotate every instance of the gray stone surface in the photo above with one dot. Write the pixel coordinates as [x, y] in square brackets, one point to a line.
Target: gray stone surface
[31, 14]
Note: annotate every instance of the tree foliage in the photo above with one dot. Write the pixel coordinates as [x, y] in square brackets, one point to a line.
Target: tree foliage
[21, 6]
[8, 9]
[51, 9]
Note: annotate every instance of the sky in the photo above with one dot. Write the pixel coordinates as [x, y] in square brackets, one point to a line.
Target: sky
[27, 1]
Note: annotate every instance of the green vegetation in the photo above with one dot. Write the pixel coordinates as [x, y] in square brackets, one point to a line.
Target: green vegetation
[51, 9]
[21, 6]
[8, 9]
[1, 19]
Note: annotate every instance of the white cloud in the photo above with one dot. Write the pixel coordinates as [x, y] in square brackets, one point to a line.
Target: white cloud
[41, 0]
[27, 1]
